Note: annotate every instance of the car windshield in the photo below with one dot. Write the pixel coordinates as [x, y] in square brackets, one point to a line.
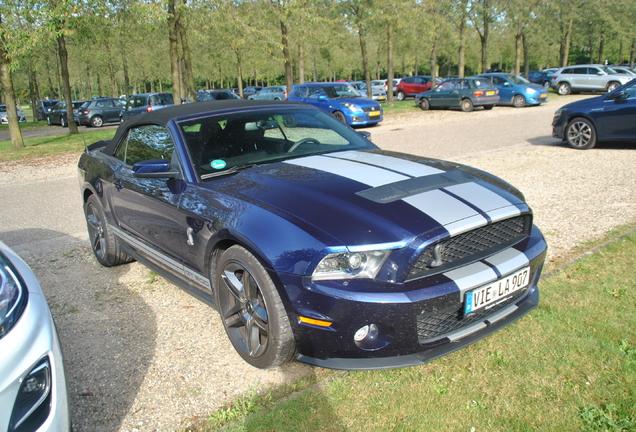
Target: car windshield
[3, 108]
[518, 80]
[223, 144]
[341, 91]
[49, 104]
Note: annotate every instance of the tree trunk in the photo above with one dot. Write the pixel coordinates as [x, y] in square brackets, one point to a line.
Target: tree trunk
[462, 49]
[124, 62]
[173, 40]
[601, 48]
[365, 59]
[66, 84]
[187, 63]
[289, 75]
[526, 60]
[434, 63]
[517, 54]
[632, 54]
[7, 87]
[389, 63]
[566, 38]
[33, 91]
[301, 62]
[239, 71]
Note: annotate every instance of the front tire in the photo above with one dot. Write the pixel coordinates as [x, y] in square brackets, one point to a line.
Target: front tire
[104, 243]
[97, 121]
[518, 101]
[564, 89]
[467, 105]
[252, 311]
[340, 116]
[580, 134]
[425, 104]
[401, 95]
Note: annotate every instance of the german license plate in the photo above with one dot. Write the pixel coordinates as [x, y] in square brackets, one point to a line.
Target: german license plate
[544, 95]
[374, 113]
[382, 98]
[490, 93]
[492, 293]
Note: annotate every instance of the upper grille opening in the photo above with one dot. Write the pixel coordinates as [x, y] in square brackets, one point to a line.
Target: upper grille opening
[470, 245]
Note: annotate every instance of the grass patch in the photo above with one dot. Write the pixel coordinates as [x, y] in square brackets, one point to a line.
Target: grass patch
[400, 107]
[570, 365]
[52, 144]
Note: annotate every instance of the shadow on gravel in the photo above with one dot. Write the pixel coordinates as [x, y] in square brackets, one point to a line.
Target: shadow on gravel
[106, 330]
[555, 142]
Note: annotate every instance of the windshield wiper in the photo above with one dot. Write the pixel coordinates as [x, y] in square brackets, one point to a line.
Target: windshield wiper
[232, 170]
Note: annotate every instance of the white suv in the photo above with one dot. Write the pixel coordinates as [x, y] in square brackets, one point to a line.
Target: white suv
[574, 79]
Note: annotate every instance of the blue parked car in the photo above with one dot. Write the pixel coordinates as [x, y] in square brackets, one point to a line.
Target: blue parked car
[609, 117]
[517, 91]
[146, 102]
[341, 100]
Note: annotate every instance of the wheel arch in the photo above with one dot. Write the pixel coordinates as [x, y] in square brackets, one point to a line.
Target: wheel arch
[586, 117]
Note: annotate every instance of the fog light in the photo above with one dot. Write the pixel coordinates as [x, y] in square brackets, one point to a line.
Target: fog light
[373, 337]
[32, 404]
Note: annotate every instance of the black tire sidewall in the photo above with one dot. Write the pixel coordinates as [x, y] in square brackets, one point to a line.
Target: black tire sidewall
[593, 140]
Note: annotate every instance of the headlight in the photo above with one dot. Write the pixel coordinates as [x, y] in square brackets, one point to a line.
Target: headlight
[557, 114]
[350, 265]
[13, 297]
[531, 91]
[352, 107]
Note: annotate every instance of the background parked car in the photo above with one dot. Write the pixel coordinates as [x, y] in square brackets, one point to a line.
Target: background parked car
[4, 116]
[98, 111]
[251, 90]
[589, 78]
[33, 392]
[608, 117]
[278, 93]
[341, 100]
[377, 93]
[411, 86]
[58, 116]
[517, 91]
[146, 102]
[396, 81]
[623, 70]
[543, 78]
[464, 93]
[42, 108]
[218, 94]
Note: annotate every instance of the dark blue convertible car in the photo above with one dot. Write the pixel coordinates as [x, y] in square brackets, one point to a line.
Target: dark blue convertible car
[312, 243]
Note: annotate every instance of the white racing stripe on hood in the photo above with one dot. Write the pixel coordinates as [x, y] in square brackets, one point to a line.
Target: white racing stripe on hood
[471, 276]
[367, 174]
[404, 166]
[489, 202]
[448, 211]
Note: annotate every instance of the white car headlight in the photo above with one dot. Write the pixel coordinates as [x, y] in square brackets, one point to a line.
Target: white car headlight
[352, 107]
[531, 91]
[13, 297]
[350, 265]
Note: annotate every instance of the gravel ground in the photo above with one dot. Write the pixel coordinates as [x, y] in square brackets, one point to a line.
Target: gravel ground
[142, 355]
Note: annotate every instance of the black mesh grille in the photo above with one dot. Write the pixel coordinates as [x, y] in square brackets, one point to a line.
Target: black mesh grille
[437, 324]
[470, 245]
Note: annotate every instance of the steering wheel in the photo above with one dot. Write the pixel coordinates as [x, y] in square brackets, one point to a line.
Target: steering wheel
[303, 141]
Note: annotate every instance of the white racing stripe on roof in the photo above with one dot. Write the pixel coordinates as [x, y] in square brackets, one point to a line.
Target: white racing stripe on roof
[367, 174]
[446, 210]
[489, 202]
[404, 166]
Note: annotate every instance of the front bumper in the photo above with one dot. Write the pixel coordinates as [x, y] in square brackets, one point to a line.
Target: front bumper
[400, 316]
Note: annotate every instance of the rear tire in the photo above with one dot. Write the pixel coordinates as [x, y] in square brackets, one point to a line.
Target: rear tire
[62, 122]
[564, 89]
[97, 121]
[612, 86]
[252, 311]
[580, 134]
[518, 101]
[467, 105]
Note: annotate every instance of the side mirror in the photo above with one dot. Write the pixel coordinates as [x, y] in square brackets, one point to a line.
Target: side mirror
[507, 84]
[322, 98]
[156, 168]
[619, 95]
[365, 135]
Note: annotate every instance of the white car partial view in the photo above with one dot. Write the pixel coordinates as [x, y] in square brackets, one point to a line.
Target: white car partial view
[33, 391]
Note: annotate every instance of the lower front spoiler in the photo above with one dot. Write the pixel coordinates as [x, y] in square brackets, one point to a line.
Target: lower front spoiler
[427, 355]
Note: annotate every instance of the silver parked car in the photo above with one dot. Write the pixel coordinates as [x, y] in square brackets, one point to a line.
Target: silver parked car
[4, 116]
[33, 392]
[278, 93]
[588, 78]
[377, 93]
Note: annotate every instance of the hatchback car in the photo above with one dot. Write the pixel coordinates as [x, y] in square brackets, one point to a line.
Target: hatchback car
[146, 102]
[543, 78]
[58, 115]
[517, 91]
[4, 116]
[99, 111]
[377, 93]
[341, 100]
[464, 93]
[587, 78]
[218, 94]
[312, 243]
[411, 86]
[33, 392]
[278, 93]
[42, 108]
[251, 90]
[611, 117]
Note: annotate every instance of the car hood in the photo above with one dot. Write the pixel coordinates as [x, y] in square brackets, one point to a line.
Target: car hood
[375, 197]
[360, 101]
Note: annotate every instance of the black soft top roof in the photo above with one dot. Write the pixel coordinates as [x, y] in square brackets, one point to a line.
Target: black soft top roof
[163, 116]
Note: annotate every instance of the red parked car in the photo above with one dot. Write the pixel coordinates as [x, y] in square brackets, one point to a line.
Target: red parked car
[410, 86]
